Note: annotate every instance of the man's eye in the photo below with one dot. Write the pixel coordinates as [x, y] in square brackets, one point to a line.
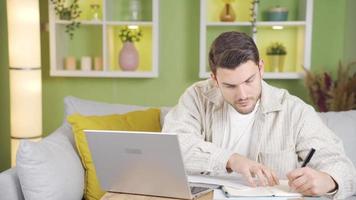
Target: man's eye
[249, 80]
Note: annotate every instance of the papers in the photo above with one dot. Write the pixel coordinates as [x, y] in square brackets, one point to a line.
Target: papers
[234, 180]
[234, 186]
[281, 190]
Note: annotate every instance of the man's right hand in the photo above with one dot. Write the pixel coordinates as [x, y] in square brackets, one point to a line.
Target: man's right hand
[250, 169]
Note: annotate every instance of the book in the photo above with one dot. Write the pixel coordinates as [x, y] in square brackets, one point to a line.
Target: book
[281, 190]
[233, 185]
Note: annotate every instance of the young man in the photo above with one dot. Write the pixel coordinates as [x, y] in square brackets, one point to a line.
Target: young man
[237, 122]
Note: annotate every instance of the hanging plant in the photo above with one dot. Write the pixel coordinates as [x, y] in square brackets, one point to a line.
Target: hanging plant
[69, 13]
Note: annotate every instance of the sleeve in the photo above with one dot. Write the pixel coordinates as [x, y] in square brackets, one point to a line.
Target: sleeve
[329, 156]
[187, 119]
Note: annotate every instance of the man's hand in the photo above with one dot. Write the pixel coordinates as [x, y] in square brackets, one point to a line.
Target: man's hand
[311, 182]
[249, 169]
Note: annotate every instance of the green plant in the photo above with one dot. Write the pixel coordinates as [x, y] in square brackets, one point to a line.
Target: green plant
[129, 34]
[70, 13]
[333, 95]
[276, 48]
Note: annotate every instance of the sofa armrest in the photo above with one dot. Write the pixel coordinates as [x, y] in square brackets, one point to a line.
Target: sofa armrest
[10, 188]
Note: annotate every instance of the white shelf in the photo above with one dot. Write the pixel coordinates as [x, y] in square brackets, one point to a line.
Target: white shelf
[302, 53]
[104, 74]
[281, 23]
[139, 23]
[269, 75]
[82, 22]
[228, 24]
[283, 75]
[99, 41]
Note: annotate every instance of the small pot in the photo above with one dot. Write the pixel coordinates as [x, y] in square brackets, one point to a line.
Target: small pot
[277, 14]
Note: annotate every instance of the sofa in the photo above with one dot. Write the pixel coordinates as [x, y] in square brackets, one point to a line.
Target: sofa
[51, 169]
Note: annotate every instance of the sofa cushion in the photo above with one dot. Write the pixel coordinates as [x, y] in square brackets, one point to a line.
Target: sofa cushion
[88, 107]
[344, 125]
[10, 188]
[147, 120]
[50, 169]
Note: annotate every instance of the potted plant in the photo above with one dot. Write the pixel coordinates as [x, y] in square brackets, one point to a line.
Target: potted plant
[128, 56]
[69, 12]
[333, 95]
[276, 53]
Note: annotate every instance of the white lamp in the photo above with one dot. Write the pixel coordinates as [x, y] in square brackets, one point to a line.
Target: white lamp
[25, 72]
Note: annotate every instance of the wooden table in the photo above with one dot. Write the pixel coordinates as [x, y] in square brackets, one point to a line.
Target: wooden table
[120, 196]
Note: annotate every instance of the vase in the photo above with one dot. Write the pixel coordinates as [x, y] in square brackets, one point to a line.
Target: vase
[277, 62]
[227, 14]
[128, 57]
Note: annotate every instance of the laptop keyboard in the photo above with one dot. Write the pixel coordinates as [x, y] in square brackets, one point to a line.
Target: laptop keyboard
[195, 189]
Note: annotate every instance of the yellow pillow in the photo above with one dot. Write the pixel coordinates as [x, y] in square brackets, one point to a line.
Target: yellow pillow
[148, 120]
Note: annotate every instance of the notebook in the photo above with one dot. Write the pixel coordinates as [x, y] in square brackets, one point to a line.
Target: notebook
[281, 190]
[146, 163]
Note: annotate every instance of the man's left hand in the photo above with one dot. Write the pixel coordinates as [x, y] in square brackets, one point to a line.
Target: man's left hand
[311, 182]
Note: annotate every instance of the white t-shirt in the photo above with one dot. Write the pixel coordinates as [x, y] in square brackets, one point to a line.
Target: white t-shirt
[239, 134]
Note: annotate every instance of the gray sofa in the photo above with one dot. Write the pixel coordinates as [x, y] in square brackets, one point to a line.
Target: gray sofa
[11, 188]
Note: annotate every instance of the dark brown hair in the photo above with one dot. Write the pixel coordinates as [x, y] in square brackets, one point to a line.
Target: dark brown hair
[230, 49]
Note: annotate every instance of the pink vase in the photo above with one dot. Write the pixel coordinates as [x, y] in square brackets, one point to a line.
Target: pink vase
[128, 57]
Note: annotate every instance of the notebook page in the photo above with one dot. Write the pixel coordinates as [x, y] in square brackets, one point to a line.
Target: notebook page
[281, 190]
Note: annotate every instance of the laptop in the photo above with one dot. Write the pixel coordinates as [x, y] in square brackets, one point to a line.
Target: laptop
[147, 163]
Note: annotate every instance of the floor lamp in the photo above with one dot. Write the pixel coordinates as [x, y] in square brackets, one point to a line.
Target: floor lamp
[25, 72]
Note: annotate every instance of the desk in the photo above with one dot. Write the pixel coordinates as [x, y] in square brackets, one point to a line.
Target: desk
[120, 196]
[218, 195]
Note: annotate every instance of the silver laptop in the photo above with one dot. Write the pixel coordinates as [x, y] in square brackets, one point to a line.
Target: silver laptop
[146, 163]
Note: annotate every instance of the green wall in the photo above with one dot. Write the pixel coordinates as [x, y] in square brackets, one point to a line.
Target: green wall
[350, 33]
[4, 93]
[178, 65]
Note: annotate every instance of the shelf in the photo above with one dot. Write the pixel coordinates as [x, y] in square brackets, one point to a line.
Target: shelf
[82, 22]
[228, 24]
[281, 23]
[139, 23]
[261, 23]
[283, 75]
[270, 75]
[99, 40]
[104, 74]
[294, 34]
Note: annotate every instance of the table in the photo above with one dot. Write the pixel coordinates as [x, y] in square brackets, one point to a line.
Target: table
[218, 195]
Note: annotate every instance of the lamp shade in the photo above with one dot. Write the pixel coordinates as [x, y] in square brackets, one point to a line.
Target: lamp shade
[25, 72]
[24, 33]
[25, 103]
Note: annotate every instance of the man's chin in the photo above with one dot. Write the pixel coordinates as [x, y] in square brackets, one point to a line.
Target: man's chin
[245, 110]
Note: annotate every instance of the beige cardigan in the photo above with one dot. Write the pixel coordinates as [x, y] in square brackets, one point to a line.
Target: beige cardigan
[284, 130]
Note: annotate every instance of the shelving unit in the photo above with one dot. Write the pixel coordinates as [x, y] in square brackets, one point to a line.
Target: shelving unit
[99, 38]
[296, 33]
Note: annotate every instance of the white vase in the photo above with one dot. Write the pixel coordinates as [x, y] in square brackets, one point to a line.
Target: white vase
[128, 57]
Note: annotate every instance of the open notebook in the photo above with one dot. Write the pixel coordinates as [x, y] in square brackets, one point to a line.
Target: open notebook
[234, 186]
[281, 190]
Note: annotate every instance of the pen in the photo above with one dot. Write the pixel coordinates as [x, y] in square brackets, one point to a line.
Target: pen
[309, 156]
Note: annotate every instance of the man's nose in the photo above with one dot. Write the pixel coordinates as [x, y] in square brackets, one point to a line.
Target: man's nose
[241, 92]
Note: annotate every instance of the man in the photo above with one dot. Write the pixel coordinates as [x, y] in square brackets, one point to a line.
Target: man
[237, 122]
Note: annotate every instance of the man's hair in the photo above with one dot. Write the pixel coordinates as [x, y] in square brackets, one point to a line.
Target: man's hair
[230, 49]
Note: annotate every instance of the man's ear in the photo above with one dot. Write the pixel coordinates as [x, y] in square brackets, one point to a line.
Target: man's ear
[213, 76]
[261, 66]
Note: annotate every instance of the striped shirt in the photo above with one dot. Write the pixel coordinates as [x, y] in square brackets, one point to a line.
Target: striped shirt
[284, 130]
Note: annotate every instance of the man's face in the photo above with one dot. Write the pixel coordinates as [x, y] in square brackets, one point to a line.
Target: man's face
[240, 87]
